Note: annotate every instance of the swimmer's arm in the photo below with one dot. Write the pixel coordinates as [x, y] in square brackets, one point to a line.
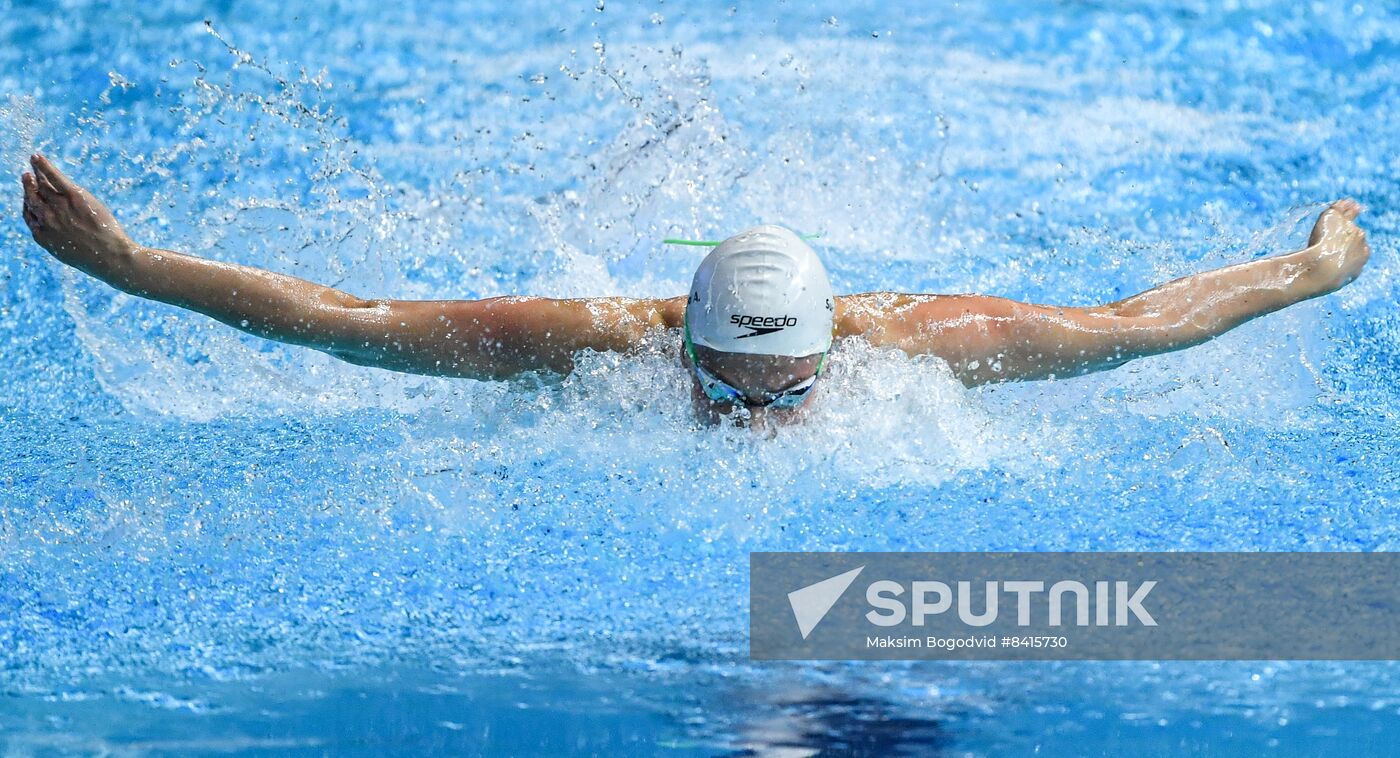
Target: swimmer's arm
[494, 338]
[989, 339]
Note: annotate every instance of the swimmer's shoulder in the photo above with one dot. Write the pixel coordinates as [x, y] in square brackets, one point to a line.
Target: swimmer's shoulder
[641, 315]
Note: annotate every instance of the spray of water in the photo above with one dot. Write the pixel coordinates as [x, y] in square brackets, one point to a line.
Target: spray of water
[233, 507]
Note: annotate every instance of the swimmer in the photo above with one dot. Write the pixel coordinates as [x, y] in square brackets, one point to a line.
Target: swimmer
[755, 331]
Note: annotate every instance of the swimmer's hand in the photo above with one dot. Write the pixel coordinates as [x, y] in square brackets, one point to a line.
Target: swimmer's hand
[70, 223]
[1337, 246]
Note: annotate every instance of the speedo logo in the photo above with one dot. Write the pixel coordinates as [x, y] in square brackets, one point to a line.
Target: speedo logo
[761, 325]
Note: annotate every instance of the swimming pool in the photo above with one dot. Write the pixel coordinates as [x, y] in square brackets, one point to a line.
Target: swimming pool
[210, 544]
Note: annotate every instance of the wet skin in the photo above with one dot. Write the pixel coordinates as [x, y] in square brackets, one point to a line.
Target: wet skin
[983, 339]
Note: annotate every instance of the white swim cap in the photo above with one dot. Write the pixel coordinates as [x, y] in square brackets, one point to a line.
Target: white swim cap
[764, 292]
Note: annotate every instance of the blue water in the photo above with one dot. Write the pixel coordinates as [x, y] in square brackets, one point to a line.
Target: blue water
[210, 544]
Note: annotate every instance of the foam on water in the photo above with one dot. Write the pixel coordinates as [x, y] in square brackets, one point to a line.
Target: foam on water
[184, 501]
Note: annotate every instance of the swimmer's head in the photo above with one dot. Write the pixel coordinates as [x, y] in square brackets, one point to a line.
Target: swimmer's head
[759, 317]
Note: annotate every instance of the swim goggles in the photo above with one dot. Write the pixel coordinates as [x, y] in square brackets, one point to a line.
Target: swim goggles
[720, 391]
